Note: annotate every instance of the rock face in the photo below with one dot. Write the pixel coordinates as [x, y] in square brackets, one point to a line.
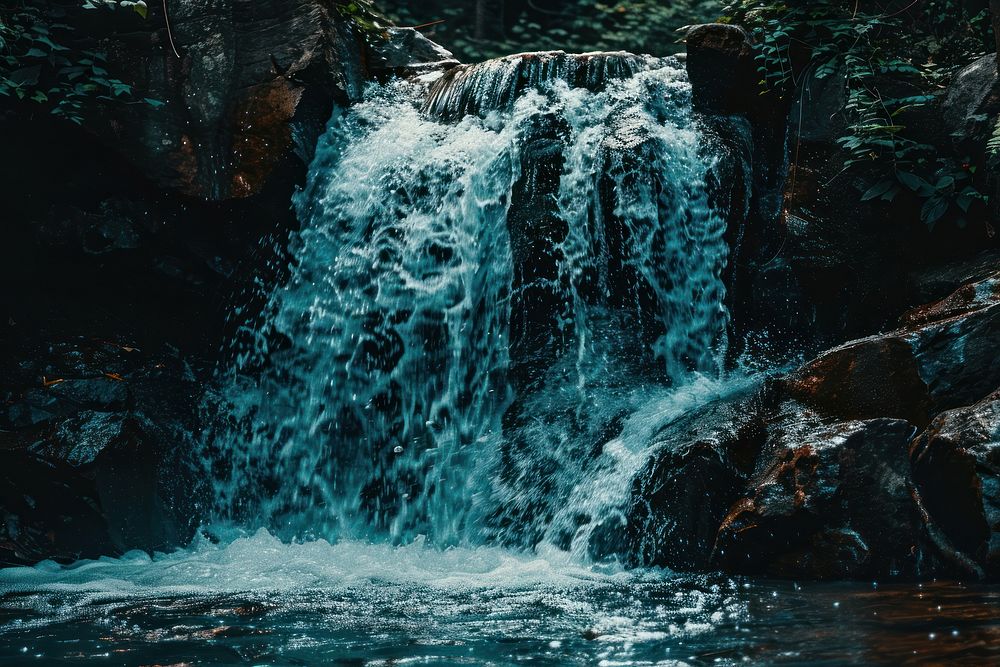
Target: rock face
[956, 463]
[828, 500]
[699, 465]
[122, 260]
[250, 83]
[877, 459]
[496, 84]
[95, 438]
[973, 100]
[852, 266]
[722, 69]
[753, 130]
[405, 52]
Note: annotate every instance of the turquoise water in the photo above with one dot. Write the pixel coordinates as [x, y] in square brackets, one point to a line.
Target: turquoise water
[258, 601]
[486, 323]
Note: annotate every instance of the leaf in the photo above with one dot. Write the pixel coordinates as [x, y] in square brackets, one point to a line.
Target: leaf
[933, 209]
[891, 194]
[964, 202]
[26, 76]
[945, 182]
[877, 190]
[52, 45]
[912, 181]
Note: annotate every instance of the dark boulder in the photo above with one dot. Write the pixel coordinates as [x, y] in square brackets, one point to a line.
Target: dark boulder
[248, 81]
[964, 301]
[934, 283]
[874, 377]
[721, 66]
[956, 354]
[956, 463]
[405, 52]
[698, 466]
[943, 357]
[828, 500]
[972, 103]
[752, 128]
[498, 83]
[96, 451]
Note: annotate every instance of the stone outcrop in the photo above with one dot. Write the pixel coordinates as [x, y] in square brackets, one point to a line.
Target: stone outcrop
[699, 464]
[752, 131]
[250, 84]
[405, 52]
[95, 444]
[956, 463]
[496, 84]
[720, 61]
[877, 459]
[829, 500]
[127, 260]
[972, 102]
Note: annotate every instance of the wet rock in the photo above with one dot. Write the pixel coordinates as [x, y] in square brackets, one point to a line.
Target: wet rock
[90, 488]
[944, 357]
[957, 356]
[406, 52]
[496, 84]
[697, 471]
[720, 63]
[724, 86]
[829, 499]
[95, 463]
[964, 301]
[973, 101]
[956, 463]
[48, 513]
[874, 377]
[937, 282]
[247, 79]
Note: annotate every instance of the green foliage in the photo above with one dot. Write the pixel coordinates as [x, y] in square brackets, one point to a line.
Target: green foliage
[365, 17]
[993, 145]
[640, 26]
[41, 62]
[894, 59]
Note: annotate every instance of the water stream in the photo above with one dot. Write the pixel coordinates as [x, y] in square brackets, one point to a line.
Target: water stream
[477, 300]
[422, 448]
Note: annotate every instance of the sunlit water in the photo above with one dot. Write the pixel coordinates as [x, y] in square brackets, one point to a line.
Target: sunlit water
[498, 297]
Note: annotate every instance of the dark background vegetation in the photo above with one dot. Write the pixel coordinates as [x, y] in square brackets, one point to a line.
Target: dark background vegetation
[477, 29]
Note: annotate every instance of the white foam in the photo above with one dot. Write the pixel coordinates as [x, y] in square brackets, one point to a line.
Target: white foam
[261, 563]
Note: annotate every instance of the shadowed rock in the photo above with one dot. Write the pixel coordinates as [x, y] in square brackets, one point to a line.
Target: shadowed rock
[95, 453]
[252, 82]
[956, 463]
[828, 500]
[944, 357]
[682, 495]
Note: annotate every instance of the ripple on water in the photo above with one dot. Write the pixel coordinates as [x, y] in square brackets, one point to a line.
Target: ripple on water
[256, 600]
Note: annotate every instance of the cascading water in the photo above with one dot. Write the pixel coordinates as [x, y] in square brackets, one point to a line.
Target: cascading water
[498, 292]
[503, 302]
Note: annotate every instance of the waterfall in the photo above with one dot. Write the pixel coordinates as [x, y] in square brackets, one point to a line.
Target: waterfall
[498, 288]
